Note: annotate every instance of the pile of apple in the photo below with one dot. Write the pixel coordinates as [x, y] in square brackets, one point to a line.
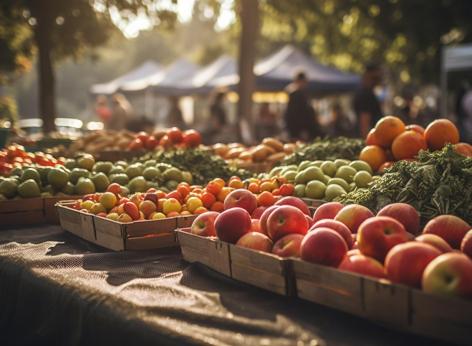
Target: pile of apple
[389, 245]
[166, 139]
[325, 180]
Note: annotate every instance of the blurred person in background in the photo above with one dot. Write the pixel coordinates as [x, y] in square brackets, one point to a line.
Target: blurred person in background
[121, 113]
[102, 110]
[300, 118]
[175, 117]
[365, 103]
[217, 121]
[461, 112]
[266, 124]
[466, 136]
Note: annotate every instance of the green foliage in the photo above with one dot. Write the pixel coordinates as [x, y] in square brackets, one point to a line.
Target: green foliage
[405, 34]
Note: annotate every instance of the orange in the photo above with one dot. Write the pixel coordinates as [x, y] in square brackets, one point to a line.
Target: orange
[223, 193]
[254, 188]
[219, 181]
[213, 188]
[287, 189]
[217, 206]
[440, 132]
[387, 129]
[265, 199]
[407, 145]
[463, 149]
[276, 192]
[417, 128]
[371, 138]
[373, 155]
[183, 190]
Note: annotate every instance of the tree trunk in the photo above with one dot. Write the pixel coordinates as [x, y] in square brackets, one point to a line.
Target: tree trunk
[249, 14]
[46, 80]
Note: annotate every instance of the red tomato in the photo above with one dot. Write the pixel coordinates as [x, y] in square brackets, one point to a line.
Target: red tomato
[175, 135]
[165, 142]
[143, 136]
[192, 138]
[151, 143]
[136, 144]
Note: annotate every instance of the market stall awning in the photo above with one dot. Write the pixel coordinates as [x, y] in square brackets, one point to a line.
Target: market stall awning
[172, 79]
[457, 57]
[275, 72]
[147, 68]
[221, 67]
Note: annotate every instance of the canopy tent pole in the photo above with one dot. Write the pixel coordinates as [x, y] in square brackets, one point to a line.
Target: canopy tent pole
[249, 14]
[443, 83]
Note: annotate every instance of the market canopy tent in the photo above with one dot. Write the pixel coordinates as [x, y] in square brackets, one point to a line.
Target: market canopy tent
[275, 72]
[221, 67]
[147, 68]
[172, 80]
[457, 58]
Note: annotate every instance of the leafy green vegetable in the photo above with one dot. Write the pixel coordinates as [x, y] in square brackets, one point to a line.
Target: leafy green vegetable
[203, 165]
[438, 183]
[326, 149]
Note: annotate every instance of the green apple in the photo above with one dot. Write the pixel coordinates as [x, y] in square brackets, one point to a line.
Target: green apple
[86, 161]
[315, 189]
[117, 170]
[29, 189]
[187, 177]
[172, 174]
[8, 188]
[276, 171]
[68, 189]
[172, 184]
[346, 172]
[78, 173]
[120, 178]
[303, 165]
[103, 166]
[137, 184]
[290, 175]
[134, 170]
[309, 174]
[122, 164]
[58, 178]
[333, 191]
[70, 164]
[341, 162]
[340, 182]
[329, 168]
[163, 166]
[30, 173]
[362, 179]
[150, 163]
[151, 173]
[360, 165]
[84, 186]
[101, 181]
[300, 190]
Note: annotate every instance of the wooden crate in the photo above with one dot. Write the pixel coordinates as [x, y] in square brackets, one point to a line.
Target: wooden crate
[119, 236]
[117, 155]
[75, 221]
[328, 286]
[211, 252]
[261, 269]
[22, 212]
[50, 210]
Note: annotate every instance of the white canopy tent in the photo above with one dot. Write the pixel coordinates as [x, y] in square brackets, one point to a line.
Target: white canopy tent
[457, 58]
[147, 68]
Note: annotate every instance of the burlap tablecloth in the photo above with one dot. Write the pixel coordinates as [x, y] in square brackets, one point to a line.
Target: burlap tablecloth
[56, 289]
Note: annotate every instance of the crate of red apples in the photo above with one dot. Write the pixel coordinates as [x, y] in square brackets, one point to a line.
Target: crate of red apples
[383, 267]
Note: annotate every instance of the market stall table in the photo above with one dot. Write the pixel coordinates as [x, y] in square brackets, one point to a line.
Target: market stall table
[57, 289]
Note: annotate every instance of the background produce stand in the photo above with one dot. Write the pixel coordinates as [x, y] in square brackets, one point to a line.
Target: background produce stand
[58, 289]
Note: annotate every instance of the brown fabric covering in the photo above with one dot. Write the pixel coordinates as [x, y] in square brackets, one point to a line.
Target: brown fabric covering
[56, 289]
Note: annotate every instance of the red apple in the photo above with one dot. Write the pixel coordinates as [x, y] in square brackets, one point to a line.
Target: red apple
[353, 215]
[257, 213]
[288, 246]
[338, 227]
[295, 202]
[255, 226]
[323, 246]
[255, 241]
[241, 198]
[466, 245]
[363, 265]
[406, 262]
[353, 252]
[436, 241]
[204, 224]
[405, 214]
[151, 196]
[449, 274]
[265, 215]
[378, 235]
[285, 220]
[327, 211]
[449, 227]
[232, 224]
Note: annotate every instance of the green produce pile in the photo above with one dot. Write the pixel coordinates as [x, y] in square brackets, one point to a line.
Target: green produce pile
[326, 149]
[438, 183]
[203, 165]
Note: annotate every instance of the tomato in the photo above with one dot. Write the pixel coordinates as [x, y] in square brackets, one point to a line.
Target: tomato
[151, 143]
[143, 136]
[165, 142]
[192, 138]
[136, 144]
[175, 135]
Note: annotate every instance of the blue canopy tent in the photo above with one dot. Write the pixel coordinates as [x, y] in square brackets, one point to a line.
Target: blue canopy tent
[147, 68]
[202, 81]
[275, 72]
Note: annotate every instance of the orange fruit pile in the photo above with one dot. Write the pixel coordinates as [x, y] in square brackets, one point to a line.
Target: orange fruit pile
[391, 140]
